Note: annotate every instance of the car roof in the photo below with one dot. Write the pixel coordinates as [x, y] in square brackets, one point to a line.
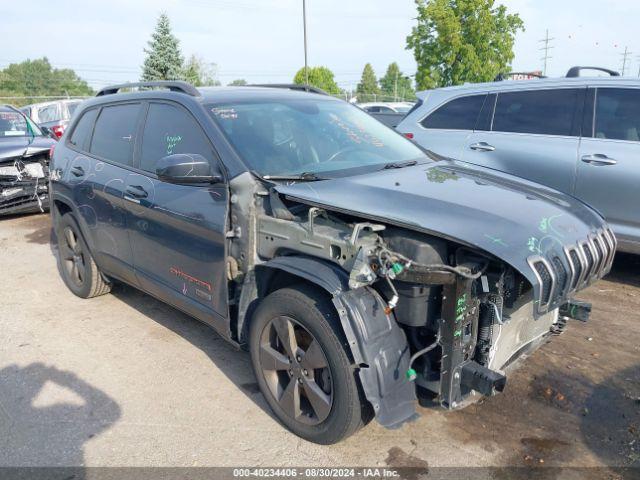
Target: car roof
[208, 95]
[540, 83]
[8, 108]
[52, 102]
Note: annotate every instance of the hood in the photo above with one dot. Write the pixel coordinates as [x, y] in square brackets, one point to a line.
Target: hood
[12, 147]
[515, 220]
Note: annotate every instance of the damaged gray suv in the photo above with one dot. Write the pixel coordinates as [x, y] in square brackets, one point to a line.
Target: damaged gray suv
[362, 273]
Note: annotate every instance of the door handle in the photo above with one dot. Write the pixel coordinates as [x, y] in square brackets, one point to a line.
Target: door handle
[77, 171]
[136, 191]
[598, 159]
[482, 147]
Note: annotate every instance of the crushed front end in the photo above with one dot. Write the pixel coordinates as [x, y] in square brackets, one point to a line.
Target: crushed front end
[24, 183]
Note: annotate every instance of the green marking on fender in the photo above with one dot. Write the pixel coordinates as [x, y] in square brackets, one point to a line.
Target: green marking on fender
[499, 241]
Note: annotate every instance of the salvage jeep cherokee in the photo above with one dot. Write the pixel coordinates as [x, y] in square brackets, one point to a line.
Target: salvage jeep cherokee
[360, 271]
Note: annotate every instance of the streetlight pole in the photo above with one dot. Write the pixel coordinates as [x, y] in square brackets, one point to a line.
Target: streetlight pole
[304, 26]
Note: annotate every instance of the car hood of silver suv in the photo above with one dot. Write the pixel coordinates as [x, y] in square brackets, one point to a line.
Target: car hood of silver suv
[555, 241]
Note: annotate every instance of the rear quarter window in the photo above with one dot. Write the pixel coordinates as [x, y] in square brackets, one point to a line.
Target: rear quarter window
[81, 135]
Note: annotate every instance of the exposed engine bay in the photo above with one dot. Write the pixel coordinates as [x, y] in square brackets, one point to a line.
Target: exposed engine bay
[24, 183]
[466, 316]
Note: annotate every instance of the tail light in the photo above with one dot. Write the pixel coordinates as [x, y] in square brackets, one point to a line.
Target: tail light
[409, 135]
[58, 130]
[53, 147]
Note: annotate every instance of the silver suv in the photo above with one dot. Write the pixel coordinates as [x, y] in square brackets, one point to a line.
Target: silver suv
[579, 135]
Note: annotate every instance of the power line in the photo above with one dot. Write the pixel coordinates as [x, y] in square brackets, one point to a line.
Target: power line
[546, 40]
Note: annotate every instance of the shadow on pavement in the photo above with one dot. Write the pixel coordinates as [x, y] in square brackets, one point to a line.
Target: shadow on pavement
[47, 415]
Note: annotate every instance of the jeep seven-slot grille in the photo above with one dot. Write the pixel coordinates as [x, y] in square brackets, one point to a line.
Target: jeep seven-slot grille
[580, 264]
[546, 282]
[561, 274]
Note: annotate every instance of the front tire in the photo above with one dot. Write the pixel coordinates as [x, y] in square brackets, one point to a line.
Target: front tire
[300, 359]
[77, 268]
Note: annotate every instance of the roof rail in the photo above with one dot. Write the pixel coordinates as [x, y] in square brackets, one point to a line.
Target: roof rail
[575, 71]
[292, 86]
[173, 85]
[503, 76]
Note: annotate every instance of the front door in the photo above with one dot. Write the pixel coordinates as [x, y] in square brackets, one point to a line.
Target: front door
[178, 231]
[609, 168]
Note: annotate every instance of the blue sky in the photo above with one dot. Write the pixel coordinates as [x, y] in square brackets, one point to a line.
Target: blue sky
[261, 40]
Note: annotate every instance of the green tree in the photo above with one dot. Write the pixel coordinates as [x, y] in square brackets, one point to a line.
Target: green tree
[368, 86]
[396, 84]
[238, 82]
[457, 41]
[37, 78]
[199, 73]
[164, 60]
[320, 77]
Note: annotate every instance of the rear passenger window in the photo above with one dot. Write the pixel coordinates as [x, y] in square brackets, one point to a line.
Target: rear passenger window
[81, 135]
[458, 114]
[548, 112]
[115, 133]
[168, 130]
[618, 114]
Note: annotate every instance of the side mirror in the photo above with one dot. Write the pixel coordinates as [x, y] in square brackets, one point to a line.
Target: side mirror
[186, 168]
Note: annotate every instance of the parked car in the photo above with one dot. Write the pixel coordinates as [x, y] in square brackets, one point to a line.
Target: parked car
[24, 163]
[53, 116]
[389, 113]
[579, 135]
[360, 272]
[386, 107]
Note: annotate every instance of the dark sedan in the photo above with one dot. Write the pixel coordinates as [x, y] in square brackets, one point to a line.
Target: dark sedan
[24, 163]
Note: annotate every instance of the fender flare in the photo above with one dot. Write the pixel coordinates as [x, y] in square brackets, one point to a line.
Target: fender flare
[378, 345]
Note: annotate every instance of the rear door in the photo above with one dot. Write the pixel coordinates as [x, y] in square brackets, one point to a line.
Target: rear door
[534, 134]
[98, 174]
[609, 167]
[178, 231]
[446, 129]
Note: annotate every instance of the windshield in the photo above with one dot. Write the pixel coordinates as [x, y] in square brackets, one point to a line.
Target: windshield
[14, 124]
[292, 136]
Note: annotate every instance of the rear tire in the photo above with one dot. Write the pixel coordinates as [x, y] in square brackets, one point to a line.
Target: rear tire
[307, 378]
[77, 268]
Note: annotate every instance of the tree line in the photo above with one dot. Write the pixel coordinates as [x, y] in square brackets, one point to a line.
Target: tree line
[453, 42]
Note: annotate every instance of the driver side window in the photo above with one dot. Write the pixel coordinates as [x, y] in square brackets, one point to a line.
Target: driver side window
[168, 130]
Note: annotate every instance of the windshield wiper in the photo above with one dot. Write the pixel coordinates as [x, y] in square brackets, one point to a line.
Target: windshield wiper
[304, 176]
[408, 163]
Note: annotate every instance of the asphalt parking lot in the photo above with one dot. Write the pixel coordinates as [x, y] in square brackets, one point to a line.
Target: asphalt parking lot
[126, 380]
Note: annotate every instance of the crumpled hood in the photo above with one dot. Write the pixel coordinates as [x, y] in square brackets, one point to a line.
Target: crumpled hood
[506, 216]
[13, 147]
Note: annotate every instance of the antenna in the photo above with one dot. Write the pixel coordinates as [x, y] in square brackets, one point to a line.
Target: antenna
[546, 40]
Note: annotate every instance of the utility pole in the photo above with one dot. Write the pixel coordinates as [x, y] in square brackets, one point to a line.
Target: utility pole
[304, 26]
[395, 87]
[546, 40]
[624, 59]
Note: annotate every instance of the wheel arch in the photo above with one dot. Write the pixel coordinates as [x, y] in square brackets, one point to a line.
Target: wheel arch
[377, 344]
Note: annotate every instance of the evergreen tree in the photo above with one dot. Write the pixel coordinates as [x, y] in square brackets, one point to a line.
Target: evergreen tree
[368, 86]
[164, 60]
[396, 85]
